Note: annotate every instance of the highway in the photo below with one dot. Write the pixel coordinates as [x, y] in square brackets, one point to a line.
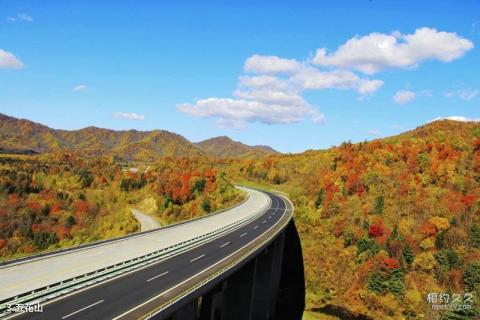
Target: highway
[135, 294]
[37, 272]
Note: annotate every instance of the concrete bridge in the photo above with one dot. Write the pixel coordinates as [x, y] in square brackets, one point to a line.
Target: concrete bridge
[242, 263]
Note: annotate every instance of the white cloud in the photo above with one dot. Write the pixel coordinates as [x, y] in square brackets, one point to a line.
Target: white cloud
[24, 17]
[426, 93]
[468, 94]
[312, 78]
[378, 51]
[240, 111]
[465, 94]
[457, 118]
[404, 96]
[263, 82]
[263, 99]
[9, 61]
[80, 88]
[375, 132]
[274, 95]
[270, 64]
[129, 116]
[369, 86]
[21, 17]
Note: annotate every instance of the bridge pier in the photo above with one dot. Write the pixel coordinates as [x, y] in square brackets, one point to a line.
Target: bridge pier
[187, 312]
[251, 292]
[267, 279]
[211, 304]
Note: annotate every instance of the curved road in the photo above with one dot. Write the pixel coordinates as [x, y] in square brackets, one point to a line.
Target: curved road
[135, 294]
[146, 222]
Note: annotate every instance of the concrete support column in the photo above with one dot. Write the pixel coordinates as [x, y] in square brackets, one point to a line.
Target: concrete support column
[187, 312]
[291, 296]
[211, 306]
[237, 296]
[267, 280]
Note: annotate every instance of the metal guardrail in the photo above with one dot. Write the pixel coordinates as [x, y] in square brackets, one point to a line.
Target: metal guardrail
[72, 284]
[224, 269]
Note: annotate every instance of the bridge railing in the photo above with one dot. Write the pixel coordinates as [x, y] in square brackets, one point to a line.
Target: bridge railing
[67, 286]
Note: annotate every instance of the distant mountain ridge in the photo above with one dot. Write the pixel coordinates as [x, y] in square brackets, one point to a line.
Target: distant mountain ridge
[224, 147]
[25, 136]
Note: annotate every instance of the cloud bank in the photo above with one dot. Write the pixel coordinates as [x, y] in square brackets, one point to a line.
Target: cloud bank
[271, 89]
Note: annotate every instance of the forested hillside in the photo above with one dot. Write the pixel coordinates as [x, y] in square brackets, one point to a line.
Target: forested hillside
[60, 200]
[26, 137]
[386, 222]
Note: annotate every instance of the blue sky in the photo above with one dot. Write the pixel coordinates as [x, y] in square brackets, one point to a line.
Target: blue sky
[249, 70]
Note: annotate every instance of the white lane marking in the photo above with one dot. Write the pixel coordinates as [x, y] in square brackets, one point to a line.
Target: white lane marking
[158, 276]
[264, 221]
[225, 244]
[199, 257]
[256, 227]
[75, 312]
[243, 234]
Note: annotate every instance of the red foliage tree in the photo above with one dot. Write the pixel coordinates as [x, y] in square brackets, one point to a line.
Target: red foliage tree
[468, 200]
[185, 189]
[81, 206]
[62, 232]
[376, 230]
[56, 207]
[427, 229]
[13, 200]
[34, 206]
[36, 227]
[391, 263]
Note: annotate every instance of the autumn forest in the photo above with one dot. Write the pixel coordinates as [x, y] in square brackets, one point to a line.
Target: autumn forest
[383, 223]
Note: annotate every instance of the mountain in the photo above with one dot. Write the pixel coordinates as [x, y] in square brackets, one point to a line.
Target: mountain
[24, 136]
[224, 147]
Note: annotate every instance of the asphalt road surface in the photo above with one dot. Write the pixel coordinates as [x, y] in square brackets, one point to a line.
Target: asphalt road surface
[146, 222]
